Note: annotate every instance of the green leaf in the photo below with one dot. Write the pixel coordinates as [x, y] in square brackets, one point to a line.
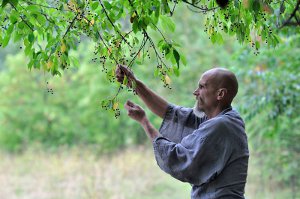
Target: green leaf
[41, 19]
[17, 37]
[4, 2]
[176, 71]
[75, 61]
[5, 41]
[95, 5]
[257, 44]
[183, 60]
[255, 6]
[10, 29]
[28, 50]
[13, 17]
[33, 8]
[21, 25]
[176, 56]
[135, 26]
[156, 72]
[213, 38]
[30, 37]
[107, 5]
[219, 38]
[167, 23]
[165, 6]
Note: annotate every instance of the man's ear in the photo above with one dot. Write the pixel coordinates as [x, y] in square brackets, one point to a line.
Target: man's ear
[221, 93]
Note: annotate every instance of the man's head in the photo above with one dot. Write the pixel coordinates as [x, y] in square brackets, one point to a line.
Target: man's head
[216, 90]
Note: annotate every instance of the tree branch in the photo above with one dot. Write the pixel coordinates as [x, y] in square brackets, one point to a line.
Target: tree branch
[71, 24]
[110, 21]
[50, 20]
[198, 7]
[293, 14]
[149, 38]
[141, 47]
[22, 18]
[44, 6]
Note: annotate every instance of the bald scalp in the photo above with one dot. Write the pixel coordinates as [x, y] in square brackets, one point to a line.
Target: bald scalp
[223, 78]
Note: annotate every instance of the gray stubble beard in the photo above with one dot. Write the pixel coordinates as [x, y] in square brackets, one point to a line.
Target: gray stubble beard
[199, 113]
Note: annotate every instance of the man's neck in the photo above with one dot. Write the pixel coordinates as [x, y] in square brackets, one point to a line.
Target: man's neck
[217, 111]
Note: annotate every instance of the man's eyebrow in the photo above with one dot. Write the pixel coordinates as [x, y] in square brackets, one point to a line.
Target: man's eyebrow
[201, 84]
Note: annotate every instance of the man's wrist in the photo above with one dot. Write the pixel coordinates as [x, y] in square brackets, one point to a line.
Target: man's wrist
[149, 128]
[138, 86]
[144, 121]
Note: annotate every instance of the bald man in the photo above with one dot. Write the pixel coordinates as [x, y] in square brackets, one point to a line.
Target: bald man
[205, 146]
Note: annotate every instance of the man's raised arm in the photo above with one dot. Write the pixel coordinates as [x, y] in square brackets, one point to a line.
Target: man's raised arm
[154, 102]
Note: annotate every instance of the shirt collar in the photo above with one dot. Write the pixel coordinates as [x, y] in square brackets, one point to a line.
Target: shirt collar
[225, 111]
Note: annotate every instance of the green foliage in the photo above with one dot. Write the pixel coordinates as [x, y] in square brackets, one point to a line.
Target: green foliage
[48, 30]
[271, 106]
[55, 112]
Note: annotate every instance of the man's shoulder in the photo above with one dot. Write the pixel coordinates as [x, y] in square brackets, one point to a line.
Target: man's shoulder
[224, 121]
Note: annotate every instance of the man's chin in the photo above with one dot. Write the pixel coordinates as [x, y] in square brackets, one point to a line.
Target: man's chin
[198, 112]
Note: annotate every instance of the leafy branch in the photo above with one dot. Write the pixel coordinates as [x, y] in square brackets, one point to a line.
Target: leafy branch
[288, 21]
[105, 11]
[12, 5]
[203, 9]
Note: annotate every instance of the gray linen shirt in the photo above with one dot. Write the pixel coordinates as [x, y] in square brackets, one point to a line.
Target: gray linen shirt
[210, 154]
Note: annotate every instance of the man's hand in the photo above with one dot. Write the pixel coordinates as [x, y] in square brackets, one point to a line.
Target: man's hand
[135, 111]
[153, 101]
[123, 71]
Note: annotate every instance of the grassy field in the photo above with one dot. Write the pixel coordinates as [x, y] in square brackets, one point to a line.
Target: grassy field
[82, 174]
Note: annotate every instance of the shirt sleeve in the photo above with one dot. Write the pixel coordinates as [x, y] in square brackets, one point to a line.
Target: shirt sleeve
[178, 123]
[198, 158]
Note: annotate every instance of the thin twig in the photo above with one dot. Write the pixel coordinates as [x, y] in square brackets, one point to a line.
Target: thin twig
[12, 5]
[198, 7]
[110, 21]
[141, 47]
[155, 50]
[51, 21]
[160, 33]
[71, 24]
[293, 14]
[151, 41]
[101, 38]
[173, 10]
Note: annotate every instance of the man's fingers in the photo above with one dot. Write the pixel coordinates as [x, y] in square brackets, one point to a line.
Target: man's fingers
[130, 103]
[125, 70]
[120, 78]
[127, 107]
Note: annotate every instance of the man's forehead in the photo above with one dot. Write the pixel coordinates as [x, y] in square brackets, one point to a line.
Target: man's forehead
[204, 79]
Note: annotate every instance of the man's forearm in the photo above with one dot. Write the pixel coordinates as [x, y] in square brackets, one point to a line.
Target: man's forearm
[151, 132]
[154, 102]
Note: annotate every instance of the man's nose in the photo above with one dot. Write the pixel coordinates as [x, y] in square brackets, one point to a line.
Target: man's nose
[196, 92]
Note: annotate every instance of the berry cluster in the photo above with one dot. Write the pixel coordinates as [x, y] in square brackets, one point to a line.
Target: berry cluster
[49, 90]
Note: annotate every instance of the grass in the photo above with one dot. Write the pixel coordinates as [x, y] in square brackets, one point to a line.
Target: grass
[82, 174]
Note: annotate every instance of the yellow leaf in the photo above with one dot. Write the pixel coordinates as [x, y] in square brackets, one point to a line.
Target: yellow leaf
[167, 79]
[116, 105]
[92, 22]
[49, 64]
[72, 5]
[109, 50]
[63, 47]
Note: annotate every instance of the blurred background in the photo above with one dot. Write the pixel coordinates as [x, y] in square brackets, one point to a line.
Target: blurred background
[57, 142]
